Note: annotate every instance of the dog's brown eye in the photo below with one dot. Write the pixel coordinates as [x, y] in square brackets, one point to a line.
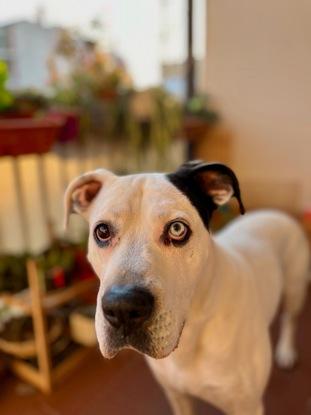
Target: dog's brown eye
[178, 231]
[102, 234]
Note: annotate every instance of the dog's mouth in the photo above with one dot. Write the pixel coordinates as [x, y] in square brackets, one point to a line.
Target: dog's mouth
[152, 341]
[140, 340]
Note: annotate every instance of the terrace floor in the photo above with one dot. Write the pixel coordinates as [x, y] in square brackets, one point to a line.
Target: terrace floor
[125, 386]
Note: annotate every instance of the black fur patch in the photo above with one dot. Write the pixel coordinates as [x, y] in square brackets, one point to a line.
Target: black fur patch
[189, 179]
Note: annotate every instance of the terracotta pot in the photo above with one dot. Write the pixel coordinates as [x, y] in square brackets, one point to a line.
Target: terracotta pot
[15, 114]
[28, 136]
[108, 94]
[194, 128]
[71, 127]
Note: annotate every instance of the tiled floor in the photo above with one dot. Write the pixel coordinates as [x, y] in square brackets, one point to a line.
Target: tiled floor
[124, 386]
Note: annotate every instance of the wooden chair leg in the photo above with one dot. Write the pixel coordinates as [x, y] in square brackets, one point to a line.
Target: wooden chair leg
[40, 327]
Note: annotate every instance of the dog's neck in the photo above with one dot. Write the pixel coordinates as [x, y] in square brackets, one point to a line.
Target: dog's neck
[213, 282]
[210, 304]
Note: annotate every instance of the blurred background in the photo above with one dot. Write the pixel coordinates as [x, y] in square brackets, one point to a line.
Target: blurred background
[134, 86]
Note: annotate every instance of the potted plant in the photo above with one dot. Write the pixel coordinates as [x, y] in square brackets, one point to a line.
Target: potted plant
[13, 274]
[24, 126]
[111, 110]
[20, 136]
[198, 118]
[26, 104]
[64, 263]
[156, 116]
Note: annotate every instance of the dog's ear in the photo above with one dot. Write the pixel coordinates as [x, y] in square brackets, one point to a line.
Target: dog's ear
[207, 185]
[82, 191]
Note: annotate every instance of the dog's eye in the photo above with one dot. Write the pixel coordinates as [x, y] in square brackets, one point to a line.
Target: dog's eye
[178, 231]
[102, 234]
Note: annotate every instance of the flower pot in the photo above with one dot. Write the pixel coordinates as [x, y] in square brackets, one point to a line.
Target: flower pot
[108, 94]
[71, 123]
[16, 114]
[28, 136]
[194, 128]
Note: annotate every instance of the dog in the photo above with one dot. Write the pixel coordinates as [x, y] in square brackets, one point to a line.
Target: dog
[197, 305]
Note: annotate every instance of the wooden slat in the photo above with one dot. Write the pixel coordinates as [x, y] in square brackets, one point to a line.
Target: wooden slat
[40, 326]
[52, 299]
[18, 349]
[19, 300]
[58, 297]
[64, 368]
[20, 203]
[28, 373]
[27, 348]
[44, 197]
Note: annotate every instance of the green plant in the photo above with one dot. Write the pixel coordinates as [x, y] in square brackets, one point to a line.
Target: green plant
[24, 103]
[29, 102]
[199, 106]
[6, 98]
[101, 88]
[160, 124]
[13, 276]
[61, 255]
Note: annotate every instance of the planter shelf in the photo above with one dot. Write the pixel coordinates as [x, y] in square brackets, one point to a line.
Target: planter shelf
[26, 349]
[36, 302]
[50, 300]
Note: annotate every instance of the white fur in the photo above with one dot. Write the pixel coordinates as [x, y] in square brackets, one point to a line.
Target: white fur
[225, 289]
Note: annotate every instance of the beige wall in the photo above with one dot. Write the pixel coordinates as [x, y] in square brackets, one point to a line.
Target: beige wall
[258, 68]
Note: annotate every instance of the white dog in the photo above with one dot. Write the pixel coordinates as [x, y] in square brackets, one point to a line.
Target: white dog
[198, 306]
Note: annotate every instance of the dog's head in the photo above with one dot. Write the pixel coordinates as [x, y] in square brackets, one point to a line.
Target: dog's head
[148, 244]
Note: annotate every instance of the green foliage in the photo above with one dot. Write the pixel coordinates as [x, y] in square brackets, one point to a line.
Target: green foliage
[166, 119]
[13, 273]
[199, 106]
[112, 110]
[13, 276]
[29, 101]
[60, 254]
[25, 102]
[6, 98]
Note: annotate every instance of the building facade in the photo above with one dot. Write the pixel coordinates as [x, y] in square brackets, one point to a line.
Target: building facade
[26, 48]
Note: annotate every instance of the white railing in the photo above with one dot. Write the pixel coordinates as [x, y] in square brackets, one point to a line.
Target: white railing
[32, 188]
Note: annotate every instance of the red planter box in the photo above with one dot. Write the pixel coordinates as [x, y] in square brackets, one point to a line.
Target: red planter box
[194, 128]
[28, 136]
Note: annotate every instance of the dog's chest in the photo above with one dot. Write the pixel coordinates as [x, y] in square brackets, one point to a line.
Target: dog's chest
[214, 382]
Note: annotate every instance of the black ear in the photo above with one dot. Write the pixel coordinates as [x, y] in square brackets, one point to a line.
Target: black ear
[207, 185]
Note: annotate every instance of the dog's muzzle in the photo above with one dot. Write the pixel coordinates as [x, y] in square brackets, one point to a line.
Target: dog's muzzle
[127, 307]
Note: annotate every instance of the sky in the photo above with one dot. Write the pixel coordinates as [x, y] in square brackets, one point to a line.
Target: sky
[143, 32]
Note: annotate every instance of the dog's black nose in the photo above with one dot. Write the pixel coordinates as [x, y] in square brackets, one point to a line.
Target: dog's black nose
[127, 305]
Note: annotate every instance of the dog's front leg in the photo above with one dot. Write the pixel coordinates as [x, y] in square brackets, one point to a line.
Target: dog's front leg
[181, 403]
